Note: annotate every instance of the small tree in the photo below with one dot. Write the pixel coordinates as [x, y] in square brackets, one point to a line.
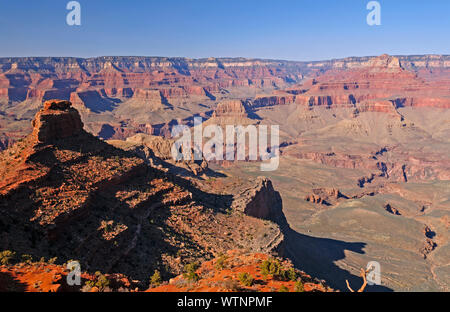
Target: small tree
[221, 262]
[102, 282]
[246, 279]
[190, 272]
[155, 279]
[292, 274]
[299, 286]
[273, 267]
[6, 257]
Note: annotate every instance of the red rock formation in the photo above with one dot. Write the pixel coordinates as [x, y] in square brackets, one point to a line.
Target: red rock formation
[382, 84]
[157, 151]
[152, 99]
[279, 98]
[41, 78]
[230, 108]
[324, 196]
[260, 201]
[56, 121]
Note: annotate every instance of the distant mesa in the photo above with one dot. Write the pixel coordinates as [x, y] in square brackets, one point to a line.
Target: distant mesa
[230, 108]
[385, 61]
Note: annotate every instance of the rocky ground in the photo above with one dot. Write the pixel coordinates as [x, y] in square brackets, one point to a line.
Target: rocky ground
[66, 194]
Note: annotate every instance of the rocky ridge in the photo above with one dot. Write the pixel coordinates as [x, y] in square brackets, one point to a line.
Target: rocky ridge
[69, 195]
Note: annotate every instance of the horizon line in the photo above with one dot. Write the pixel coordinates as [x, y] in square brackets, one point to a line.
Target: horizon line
[220, 57]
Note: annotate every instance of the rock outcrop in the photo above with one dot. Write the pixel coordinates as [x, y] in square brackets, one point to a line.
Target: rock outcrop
[230, 108]
[224, 274]
[324, 196]
[260, 201]
[230, 112]
[114, 91]
[58, 120]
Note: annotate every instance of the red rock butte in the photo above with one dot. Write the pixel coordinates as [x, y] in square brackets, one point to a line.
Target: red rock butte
[57, 120]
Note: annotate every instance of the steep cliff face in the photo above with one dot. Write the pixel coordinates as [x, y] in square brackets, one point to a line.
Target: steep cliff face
[261, 201]
[230, 112]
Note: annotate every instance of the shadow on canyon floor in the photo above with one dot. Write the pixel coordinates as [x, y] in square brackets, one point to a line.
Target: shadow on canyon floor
[317, 257]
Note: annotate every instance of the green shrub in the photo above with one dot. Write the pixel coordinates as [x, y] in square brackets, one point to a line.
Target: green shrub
[271, 267]
[283, 289]
[265, 268]
[155, 279]
[6, 257]
[275, 268]
[246, 279]
[221, 262]
[292, 274]
[299, 286]
[190, 272]
[102, 282]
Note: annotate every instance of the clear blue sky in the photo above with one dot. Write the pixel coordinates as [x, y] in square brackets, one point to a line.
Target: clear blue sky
[281, 29]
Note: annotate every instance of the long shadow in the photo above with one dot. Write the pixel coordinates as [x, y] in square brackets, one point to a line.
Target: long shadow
[317, 256]
[97, 103]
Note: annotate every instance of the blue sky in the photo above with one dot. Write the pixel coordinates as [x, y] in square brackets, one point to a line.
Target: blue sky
[281, 29]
